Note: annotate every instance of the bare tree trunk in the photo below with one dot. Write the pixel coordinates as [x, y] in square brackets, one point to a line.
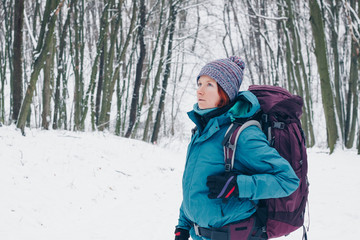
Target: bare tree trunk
[110, 75]
[99, 51]
[119, 95]
[326, 92]
[151, 65]
[100, 85]
[309, 132]
[61, 64]
[156, 84]
[352, 102]
[358, 146]
[2, 91]
[298, 67]
[8, 16]
[78, 59]
[227, 27]
[38, 64]
[242, 39]
[105, 69]
[293, 63]
[36, 15]
[358, 91]
[47, 86]
[126, 89]
[288, 59]
[197, 27]
[139, 66]
[337, 78]
[172, 15]
[256, 28]
[280, 40]
[18, 58]
[49, 7]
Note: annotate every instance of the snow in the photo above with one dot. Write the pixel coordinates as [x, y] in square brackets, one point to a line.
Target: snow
[94, 185]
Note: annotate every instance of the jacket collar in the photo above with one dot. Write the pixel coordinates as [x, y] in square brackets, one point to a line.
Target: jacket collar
[245, 105]
[202, 120]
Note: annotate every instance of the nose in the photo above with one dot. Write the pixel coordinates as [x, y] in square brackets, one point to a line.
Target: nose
[200, 90]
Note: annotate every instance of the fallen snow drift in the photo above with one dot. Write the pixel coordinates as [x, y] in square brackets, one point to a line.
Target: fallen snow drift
[84, 186]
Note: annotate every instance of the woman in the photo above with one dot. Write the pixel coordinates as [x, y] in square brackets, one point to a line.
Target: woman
[215, 201]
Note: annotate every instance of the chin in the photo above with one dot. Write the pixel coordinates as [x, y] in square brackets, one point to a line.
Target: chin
[201, 106]
[204, 107]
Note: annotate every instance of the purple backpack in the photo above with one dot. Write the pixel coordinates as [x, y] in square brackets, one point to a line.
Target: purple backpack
[279, 119]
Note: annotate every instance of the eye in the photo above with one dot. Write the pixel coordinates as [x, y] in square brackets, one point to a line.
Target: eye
[210, 84]
[199, 84]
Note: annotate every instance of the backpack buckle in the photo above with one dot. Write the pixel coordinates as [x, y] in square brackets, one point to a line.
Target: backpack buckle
[229, 145]
[196, 229]
[265, 118]
[279, 125]
[227, 167]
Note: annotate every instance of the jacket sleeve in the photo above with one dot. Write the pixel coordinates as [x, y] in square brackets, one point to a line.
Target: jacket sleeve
[184, 222]
[264, 173]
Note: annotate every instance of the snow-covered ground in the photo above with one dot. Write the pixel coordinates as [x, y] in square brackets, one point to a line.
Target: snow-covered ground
[85, 186]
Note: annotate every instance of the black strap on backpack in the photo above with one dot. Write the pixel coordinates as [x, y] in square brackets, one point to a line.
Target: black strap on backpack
[230, 141]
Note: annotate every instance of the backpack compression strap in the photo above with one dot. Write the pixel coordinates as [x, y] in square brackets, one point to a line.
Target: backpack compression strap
[230, 141]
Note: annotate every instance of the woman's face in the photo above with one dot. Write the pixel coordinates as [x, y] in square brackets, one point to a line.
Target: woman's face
[207, 93]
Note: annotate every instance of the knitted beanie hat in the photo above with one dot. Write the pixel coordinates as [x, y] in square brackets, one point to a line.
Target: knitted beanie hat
[228, 73]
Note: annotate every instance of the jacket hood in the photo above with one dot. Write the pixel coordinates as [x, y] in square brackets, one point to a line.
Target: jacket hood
[246, 105]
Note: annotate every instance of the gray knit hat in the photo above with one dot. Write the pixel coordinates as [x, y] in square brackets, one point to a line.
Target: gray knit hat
[228, 73]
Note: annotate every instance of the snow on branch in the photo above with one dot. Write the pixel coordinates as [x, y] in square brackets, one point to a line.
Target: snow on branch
[29, 30]
[257, 15]
[355, 35]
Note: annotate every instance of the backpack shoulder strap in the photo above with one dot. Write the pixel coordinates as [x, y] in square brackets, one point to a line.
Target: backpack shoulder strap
[230, 141]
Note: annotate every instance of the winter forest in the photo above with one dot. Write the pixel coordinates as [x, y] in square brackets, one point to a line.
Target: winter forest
[128, 67]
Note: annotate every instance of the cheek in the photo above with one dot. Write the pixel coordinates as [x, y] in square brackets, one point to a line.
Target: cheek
[216, 96]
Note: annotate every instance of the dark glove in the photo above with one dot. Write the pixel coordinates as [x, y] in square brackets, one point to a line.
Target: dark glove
[181, 234]
[222, 186]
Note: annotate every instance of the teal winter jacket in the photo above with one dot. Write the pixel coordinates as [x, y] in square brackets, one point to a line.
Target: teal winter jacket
[263, 172]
